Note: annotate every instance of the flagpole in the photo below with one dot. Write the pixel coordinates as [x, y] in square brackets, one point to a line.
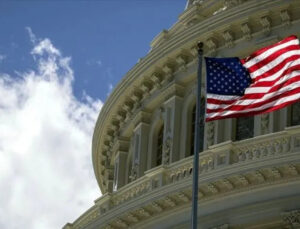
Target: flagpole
[199, 140]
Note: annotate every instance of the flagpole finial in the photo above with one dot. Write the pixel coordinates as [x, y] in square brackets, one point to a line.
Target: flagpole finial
[200, 46]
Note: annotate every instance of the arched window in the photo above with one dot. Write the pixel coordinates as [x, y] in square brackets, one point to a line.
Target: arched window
[244, 128]
[295, 111]
[159, 148]
[193, 122]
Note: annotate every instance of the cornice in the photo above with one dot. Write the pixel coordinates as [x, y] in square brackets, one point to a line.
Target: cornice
[161, 65]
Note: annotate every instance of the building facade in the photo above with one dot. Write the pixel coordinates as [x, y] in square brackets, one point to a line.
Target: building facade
[142, 148]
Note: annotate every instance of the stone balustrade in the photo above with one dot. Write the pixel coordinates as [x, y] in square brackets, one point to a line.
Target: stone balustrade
[137, 188]
[246, 162]
[89, 216]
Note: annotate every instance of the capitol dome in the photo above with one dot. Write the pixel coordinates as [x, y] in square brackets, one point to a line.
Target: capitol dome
[142, 148]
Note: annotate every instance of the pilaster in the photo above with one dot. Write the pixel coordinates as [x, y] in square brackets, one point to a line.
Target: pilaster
[230, 127]
[140, 145]
[171, 147]
[120, 167]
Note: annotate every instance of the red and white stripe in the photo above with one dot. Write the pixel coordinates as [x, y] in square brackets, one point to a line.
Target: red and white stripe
[275, 73]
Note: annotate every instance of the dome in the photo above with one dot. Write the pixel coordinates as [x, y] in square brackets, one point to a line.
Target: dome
[142, 143]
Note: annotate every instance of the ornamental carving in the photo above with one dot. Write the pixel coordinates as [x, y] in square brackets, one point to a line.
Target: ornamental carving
[246, 31]
[231, 3]
[291, 219]
[134, 172]
[167, 150]
[182, 60]
[266, 24]
[212, 45]
[263, 149]
[210, 133]
[228, 37]
[285, 17]
[265, 123]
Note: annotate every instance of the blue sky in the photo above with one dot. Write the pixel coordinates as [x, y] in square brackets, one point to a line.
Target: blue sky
[58, 62]
[105, 38]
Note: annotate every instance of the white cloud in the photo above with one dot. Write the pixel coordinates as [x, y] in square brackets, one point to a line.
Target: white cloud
[2, 57]
[46, 176]
[32, 36]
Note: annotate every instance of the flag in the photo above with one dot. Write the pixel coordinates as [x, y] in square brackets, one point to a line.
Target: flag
[267, 80]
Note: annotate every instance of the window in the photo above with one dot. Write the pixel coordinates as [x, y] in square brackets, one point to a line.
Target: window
[193, 122]
[244, 128]
[159, 149]
[295, 114]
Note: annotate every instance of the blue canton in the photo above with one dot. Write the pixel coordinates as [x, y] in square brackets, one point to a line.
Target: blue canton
[226, 76]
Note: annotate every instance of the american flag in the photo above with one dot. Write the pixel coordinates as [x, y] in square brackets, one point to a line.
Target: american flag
[267, 80]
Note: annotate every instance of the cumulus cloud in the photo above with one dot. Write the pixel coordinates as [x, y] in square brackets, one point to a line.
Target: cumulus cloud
[46, 176]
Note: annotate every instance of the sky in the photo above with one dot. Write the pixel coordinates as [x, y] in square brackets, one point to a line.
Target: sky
[59, 61]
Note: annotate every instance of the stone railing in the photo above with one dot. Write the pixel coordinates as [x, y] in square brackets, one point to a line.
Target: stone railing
[266, 146]
[225, 159]
[89, 216]
[230, 153]
[136, 188]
